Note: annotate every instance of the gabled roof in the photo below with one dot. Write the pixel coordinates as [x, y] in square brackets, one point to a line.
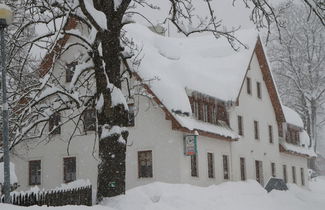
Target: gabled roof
[204, 64]
[269, 81]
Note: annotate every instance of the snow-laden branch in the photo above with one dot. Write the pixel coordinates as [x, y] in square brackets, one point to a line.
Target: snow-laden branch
[80, 69]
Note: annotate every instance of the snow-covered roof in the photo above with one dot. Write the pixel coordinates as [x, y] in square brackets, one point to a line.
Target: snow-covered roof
[303, 148]
[292, 117]
[203, 64]
[298, 149]
[194, 124]
[13, 177]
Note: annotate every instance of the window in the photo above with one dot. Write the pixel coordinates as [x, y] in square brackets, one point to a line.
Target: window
[280, 129]
[214, 115]
[259, 171]
[69, 71]
[54, 122]
[200, 107]
[302, 175]
[205, 112]
[256, 132]
[240, 125]
[34, 172]
[145, 164]
[225, 167]
[249, 85]
[242, 169]
[258, 87]
[270, 134]
[222, 113]
[89, 119]
[208, 109]
[273, 170]
[69, 169]
[210, 165]
[131, 115]
[194, 168]
[294, 180]
[285, 178]
[292, 135]
[196, 109]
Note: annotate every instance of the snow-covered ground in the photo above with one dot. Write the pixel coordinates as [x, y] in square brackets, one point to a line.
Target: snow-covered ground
[227, 196]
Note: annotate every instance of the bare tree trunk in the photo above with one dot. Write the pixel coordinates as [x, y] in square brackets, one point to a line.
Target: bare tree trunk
[312, 162]
[313, 123]
[112, 151]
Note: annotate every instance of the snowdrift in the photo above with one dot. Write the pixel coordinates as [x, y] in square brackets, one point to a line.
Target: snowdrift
[227, 196]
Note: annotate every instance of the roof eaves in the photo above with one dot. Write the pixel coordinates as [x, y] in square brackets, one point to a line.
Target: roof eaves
[295, 153]
[176, 125]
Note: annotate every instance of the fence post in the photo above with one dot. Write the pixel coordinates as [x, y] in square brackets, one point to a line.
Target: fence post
[20, 200]
[13, 199]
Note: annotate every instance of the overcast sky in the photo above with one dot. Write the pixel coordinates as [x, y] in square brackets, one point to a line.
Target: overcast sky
[224, 10]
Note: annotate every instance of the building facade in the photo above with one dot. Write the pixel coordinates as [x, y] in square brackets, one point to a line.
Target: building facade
[243, 137]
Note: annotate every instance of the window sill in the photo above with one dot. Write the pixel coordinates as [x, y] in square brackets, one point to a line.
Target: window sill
[31, 185]
[145, 177]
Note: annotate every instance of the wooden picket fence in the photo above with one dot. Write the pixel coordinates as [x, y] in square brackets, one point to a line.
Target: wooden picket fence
[77, 196]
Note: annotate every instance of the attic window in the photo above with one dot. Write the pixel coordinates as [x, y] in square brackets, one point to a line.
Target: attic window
[208, 109]
[205, 112]
[69, 71]
[292, 135]
[249, 86]
[258, 88]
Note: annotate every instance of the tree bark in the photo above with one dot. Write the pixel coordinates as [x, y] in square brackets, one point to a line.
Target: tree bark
[112, 152]
[312, 162]
[313, 123]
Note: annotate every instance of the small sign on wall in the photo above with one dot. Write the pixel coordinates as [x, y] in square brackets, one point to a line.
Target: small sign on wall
[190, 145]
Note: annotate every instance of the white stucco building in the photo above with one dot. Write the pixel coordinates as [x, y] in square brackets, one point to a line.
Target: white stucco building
[203, 87]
